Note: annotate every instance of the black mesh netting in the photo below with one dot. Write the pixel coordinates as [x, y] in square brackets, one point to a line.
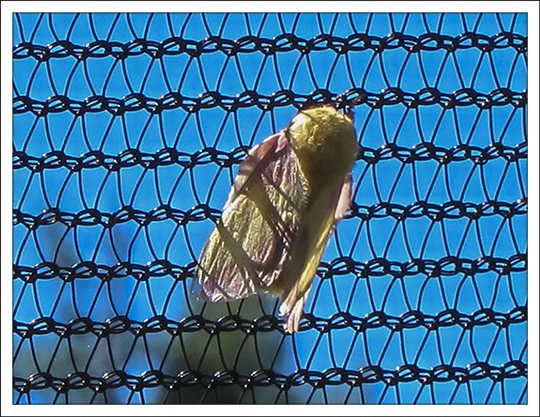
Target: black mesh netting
[128, 131]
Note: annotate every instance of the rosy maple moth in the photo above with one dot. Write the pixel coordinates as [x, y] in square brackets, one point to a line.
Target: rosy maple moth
[288, 196]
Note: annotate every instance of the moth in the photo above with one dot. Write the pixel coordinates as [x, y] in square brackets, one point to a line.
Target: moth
[287, 198]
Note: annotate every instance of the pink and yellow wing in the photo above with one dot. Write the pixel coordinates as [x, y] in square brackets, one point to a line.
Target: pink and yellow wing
[328, 207]
[252, 239]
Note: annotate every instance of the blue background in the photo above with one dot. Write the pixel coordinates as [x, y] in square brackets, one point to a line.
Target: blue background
[389, 180]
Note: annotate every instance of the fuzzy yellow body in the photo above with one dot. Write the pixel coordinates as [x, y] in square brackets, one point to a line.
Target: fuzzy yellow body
[325, 143]
[289, 194]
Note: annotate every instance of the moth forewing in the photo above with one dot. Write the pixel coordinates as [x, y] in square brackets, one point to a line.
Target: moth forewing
[246, 250]
[318, 227]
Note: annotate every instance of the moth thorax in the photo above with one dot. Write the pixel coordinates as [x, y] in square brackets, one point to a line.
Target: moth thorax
[325, 142]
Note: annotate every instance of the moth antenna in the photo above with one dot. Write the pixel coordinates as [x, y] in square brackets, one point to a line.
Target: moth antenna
[341, 104]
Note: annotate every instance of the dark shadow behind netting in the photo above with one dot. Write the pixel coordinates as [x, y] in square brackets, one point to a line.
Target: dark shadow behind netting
[128, 131]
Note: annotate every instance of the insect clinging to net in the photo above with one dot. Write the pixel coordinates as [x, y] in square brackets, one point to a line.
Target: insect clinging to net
[289, 194]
